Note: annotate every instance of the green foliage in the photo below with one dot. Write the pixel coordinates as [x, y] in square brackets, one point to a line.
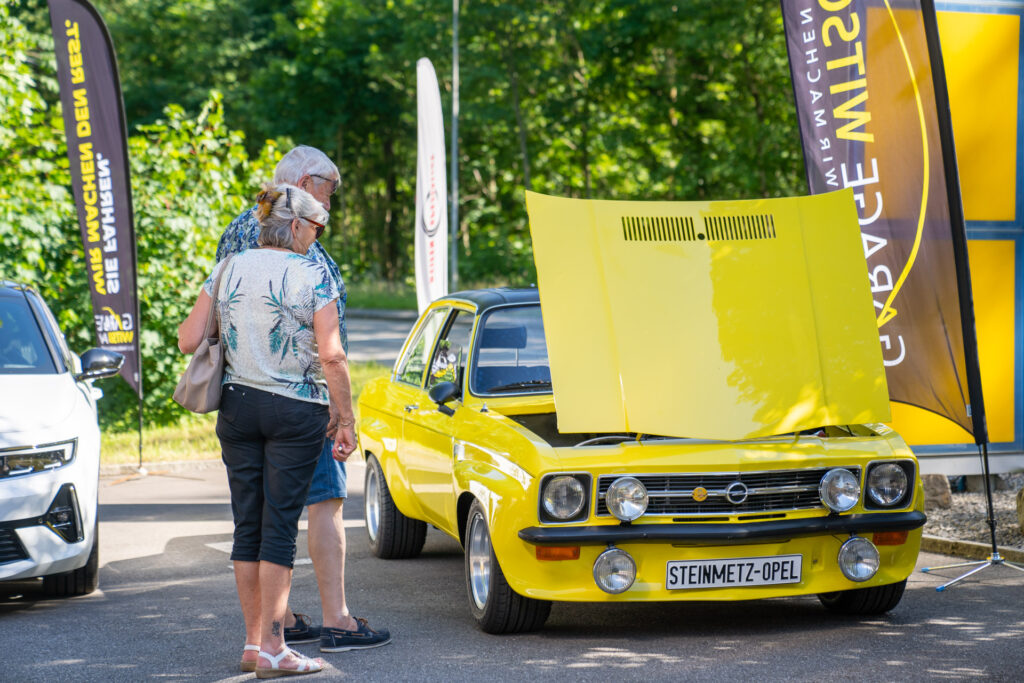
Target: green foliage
[190, 177]
[612, 99]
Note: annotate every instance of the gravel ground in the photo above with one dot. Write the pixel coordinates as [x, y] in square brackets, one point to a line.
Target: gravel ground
[967, 518]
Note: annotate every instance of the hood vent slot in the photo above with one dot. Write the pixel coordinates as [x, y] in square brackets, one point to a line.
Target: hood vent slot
[750, 227]
[658, 229]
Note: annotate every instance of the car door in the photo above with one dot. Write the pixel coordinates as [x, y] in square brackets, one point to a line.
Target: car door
[428, 434]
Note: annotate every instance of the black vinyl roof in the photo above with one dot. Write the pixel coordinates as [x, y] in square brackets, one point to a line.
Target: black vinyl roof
[485, 299]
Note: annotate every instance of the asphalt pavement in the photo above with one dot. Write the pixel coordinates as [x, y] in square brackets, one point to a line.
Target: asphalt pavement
[377, 335]
[167, 610]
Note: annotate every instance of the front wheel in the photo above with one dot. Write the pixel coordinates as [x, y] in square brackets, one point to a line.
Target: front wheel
[393, 536]
[81, 581]
[864, 601]
[495, 606]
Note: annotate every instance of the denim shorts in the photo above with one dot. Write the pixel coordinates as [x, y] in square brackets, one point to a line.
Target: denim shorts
[328, 478]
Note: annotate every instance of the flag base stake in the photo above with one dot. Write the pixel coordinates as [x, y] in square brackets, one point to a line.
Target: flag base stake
[995, 559]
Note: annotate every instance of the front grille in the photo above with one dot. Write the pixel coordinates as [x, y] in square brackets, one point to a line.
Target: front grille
[11, 549]
[771, 491]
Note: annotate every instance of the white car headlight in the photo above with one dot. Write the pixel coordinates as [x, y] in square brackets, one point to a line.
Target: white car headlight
[614, 571]
[858, 559]
[626, 498]
[887, 484]
[15, 462]
[839, 490]
[563, 497]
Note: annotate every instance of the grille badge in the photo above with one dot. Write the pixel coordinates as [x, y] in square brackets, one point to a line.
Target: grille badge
[736, 492]
[700, 494]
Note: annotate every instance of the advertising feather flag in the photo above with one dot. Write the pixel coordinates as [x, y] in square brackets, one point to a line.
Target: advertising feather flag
[90, 93]
[431, 190]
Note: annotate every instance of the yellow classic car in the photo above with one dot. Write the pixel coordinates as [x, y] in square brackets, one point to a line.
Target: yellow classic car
[463, 436]
[689, 406]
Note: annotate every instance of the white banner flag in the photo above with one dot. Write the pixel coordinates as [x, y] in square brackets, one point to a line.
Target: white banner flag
[431, 190]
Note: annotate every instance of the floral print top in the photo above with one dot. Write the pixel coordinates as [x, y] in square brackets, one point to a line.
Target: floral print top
[244, 232]
[265, 306]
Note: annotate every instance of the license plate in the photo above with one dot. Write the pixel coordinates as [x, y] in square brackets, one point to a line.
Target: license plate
[739, 571]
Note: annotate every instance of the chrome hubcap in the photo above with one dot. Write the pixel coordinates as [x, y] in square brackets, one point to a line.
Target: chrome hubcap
[372, 504]
[478, 546]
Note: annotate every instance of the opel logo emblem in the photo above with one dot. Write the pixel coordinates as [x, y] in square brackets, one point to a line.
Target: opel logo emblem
[700, 494]
[736, 492]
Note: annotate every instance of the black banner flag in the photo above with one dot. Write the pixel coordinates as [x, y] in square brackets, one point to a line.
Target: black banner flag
[873, 113]
[90, 92]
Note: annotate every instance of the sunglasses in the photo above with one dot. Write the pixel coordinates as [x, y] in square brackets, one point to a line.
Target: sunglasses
[335, 184]
[319, 227]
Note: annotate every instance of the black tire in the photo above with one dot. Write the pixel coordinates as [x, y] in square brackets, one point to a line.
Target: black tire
[864, 601]
[393, 536]
[81, 581]
[495, 606]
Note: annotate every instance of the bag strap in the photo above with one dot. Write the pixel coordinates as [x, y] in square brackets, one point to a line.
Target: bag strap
[213, 305]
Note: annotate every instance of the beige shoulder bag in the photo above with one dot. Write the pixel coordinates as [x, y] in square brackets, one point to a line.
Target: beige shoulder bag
[199, 387]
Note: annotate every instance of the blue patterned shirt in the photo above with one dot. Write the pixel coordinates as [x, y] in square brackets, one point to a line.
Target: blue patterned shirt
[244, 233]
[265, 305]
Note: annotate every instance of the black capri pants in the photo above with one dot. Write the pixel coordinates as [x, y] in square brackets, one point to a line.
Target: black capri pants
[270, 445]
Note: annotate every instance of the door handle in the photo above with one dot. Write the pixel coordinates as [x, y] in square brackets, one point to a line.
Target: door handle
[411, 407]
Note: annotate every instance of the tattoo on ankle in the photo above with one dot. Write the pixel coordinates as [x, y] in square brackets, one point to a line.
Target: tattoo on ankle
[275, 628]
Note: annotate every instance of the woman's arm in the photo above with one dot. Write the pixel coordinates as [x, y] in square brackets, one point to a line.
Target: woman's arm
[339, 389]
[190, 332]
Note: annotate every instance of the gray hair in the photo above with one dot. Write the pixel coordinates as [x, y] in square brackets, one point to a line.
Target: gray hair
[277, 206]
[304, 160]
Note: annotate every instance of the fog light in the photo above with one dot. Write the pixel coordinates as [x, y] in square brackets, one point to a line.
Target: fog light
[614, 571]
[839, 490]
[64, 517]
[858, 559]
[626, 498]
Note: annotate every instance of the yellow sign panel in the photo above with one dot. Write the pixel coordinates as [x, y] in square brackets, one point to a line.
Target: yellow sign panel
[981, 54]
[720, 320]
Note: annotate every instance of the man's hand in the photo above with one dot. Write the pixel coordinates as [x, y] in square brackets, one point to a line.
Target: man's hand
[332, 423]
[344, 443]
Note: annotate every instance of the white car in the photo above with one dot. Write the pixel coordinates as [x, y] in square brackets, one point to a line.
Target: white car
[49, 448]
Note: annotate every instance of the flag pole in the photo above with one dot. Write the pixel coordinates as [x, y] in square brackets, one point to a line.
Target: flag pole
[976, 407]
[453, 238]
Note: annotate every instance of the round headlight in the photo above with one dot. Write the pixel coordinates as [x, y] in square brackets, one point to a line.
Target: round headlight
[887, 484]
[626, 498]
[839, 490]
[614, 571]
[858, 559]
[563, 497]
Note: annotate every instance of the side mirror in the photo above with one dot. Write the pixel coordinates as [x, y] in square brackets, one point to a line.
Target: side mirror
[99, 363]
[442, 393]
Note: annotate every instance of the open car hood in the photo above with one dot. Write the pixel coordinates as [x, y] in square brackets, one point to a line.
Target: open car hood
[717, 320]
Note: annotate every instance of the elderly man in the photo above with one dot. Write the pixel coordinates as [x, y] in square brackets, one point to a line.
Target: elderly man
[312, 170]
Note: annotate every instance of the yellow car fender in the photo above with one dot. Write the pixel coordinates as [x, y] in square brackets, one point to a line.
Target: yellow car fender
[378, 440]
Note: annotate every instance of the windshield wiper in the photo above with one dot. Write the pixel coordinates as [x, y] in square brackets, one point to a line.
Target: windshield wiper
[530, 383]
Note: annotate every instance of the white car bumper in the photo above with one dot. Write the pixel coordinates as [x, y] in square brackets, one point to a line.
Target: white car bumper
[29, 547]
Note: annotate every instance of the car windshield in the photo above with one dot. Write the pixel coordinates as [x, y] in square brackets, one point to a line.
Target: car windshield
[511, 353]
[23, 350]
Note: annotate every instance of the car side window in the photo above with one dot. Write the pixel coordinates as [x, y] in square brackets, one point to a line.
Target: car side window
[414, 363]
[449, 362]
[511, 353]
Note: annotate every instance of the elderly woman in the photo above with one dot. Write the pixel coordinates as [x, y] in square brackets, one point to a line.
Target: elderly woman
[285, 380]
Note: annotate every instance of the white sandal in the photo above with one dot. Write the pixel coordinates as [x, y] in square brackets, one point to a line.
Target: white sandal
[306, 665]
[250, 666]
